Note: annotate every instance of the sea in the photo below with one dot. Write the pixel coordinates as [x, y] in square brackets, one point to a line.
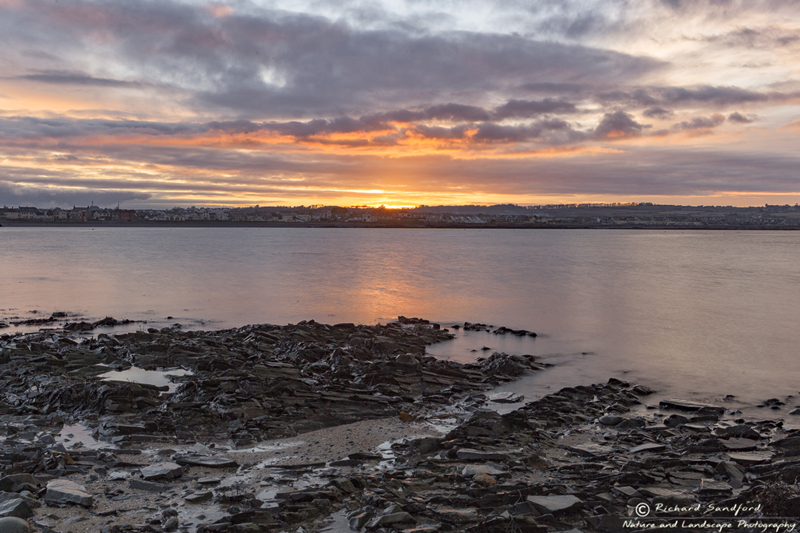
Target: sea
[696, 315]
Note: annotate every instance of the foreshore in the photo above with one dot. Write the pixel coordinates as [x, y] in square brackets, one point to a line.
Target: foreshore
[313, 427]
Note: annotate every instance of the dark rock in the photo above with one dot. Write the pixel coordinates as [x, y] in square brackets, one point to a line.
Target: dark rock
[506, 397]
[63, 491]
[740, 431]
[205, 460]
[149, 486]
[469, 454]
[675, 420]
[15, 507]
[751, 458]
[693, 407]
[161, 471]
[199, 497]
[648, 447]
[730, 471]
[610, 420]
[14, 525]
[391, 519]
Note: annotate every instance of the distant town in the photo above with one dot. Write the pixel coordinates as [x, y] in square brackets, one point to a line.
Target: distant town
[617, 215]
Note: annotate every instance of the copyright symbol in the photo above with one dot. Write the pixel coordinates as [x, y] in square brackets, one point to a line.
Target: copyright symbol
[642, 509]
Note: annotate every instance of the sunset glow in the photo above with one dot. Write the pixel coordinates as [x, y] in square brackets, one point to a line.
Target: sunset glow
[400, 103]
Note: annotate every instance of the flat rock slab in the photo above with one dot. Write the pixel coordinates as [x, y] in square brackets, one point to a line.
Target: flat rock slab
[693, 407]
[663, 492]
[161, 471]
[149, 486]
[740, 445]
[61, 491]
[199, 497]
[591, 450]
[789, 443]
[209, 461]
[390, 519]
[468, 454]
[471, 470]
[709, 487]
[506, 397]
[741, 431]
[751, 458]
[648, 447]
[554, 504]
[458, 516]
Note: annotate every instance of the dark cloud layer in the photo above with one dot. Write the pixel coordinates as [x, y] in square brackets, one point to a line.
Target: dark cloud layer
[61, 77]
[247, 99]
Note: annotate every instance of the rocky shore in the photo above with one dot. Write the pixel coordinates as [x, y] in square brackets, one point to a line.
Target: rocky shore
[313, 427]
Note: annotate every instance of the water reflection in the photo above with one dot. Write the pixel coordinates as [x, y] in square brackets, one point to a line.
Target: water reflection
[695, 313]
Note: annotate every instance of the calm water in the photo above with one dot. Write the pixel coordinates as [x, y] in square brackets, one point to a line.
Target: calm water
[692, 314]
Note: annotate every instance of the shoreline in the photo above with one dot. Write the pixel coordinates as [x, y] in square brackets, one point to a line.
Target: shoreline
[367, 225]
[279, 428]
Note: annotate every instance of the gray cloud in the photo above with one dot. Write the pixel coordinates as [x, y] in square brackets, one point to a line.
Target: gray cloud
[738, 117]
[657, 112]
[700, 123]
[64, 77]
[13, 194]
[528, 108]
[618, 125]
[706, 95]
[270, 63]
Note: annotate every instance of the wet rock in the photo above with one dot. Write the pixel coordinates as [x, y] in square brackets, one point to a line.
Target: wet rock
[610, 420]
[648, 447]
[391, 519]
[63, 491]
[710, 488]
[206, 461]
[739, 431]
[149, 486]
[14, 525]
[751, 458]
[591, 449]
[161, 471]
[457, 516]
[675, 420]
[16, 507]
[730, 471]
[693, 407]
[18, 482]
[469, 454]
[555, 504]
[506, 397]
[359, 519]
[484, 479]
[473, 470]
[199, 497]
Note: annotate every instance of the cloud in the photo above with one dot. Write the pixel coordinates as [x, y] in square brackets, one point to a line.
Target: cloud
[706, 95]
[275, 64]
[13, 194]
[700, 123]
[618, 125]
[657, 112]
[64, 77]
[529, 108]
[738, 117]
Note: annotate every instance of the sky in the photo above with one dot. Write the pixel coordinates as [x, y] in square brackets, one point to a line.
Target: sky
[162, 103]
